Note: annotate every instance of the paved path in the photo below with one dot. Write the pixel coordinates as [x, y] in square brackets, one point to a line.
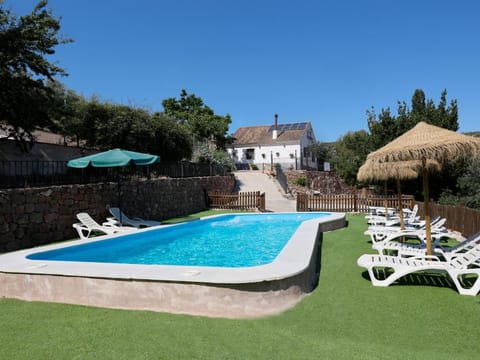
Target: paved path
[258, 181]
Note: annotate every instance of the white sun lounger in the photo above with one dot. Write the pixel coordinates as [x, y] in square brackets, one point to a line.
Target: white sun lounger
[456, 268]
[380, 233]
[448, 253]
[391, 241]
[123, 219]
[87, 226]
[410, 219]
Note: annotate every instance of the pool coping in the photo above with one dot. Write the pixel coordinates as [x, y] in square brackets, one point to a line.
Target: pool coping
[293, 259]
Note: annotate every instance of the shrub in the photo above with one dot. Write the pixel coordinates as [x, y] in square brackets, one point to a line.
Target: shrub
[300, 180]
[217, 157]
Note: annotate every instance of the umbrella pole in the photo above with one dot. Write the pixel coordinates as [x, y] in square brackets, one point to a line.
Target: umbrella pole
[119, 197]
[426, 208]
[400, 205]
[386, 200]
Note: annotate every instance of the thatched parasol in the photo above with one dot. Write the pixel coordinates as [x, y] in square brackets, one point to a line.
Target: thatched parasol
[427, 142]
[372, 171]
[399, 170]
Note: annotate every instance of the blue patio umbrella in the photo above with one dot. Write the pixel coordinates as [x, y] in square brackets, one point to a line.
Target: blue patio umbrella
[114, 158]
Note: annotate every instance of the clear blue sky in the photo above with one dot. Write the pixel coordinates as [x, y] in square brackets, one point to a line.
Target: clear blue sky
[324, 61]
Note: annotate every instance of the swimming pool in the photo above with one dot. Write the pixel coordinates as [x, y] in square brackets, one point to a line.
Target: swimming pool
[227, 291]
[238, 240]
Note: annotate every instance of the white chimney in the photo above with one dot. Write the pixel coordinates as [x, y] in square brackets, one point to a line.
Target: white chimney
[274, 132]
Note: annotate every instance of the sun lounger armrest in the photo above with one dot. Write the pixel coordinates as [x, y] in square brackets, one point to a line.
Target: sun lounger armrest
[82, 230]
[80, 226]
[111, 221]
[426, 257]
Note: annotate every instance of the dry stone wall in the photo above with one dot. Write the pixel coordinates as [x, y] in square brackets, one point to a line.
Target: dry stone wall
[36, 216]
[323, 182]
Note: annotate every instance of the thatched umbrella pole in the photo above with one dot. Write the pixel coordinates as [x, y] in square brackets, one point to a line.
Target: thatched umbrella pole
[400, 205]
[386, 200]
[372, 170]
[426, 206]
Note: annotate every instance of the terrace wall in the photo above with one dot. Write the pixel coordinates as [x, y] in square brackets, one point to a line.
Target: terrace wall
[37, 216]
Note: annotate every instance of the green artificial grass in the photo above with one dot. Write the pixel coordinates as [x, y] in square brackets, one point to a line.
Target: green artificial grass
[345, 317]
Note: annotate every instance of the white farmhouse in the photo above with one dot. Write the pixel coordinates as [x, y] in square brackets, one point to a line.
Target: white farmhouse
[283, 144]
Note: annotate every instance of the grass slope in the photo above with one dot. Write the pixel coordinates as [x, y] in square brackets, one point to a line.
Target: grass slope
[345, 317]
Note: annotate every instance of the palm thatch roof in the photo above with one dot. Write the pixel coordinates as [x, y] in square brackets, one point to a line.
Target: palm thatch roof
[401, 170]
[426, 141]
[422, 143]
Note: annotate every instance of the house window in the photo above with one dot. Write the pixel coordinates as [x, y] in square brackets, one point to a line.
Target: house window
[250, 154]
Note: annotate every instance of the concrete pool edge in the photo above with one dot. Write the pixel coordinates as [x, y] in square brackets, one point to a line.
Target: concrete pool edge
[223, 292]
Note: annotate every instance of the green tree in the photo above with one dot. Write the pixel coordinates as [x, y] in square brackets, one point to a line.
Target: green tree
[199, 118]
[125, 127]
[104, 125]
[217, 157]
[172, 140]
[322, 151]
[25, 99]
[469, 185]
[68, 112]
[350, 152]
[385, 127]
[468, 188]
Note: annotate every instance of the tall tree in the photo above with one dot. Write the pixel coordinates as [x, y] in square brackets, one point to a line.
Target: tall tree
[469, 184]
[68, 112]
[387, 127]
[382, 130]
[350, 152]
[199, 118]
[25, 99]
[322, 151]
[105, 126]
[172, 140]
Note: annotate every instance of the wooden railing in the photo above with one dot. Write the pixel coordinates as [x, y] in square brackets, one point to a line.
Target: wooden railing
[349, 202]
[237, 201]
[459, 218]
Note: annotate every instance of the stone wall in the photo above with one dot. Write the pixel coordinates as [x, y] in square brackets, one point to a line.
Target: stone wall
[322, 182]
[36, 216]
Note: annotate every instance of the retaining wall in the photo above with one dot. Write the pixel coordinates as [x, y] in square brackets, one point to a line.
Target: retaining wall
[37, 216]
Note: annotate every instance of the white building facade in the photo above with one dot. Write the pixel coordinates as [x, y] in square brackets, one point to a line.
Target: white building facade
[284, 144]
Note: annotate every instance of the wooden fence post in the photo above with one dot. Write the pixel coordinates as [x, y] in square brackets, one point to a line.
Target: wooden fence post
[355, 199]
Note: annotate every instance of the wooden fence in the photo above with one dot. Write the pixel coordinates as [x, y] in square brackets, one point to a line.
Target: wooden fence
[459, 218]
[349, 202]
[237, 201]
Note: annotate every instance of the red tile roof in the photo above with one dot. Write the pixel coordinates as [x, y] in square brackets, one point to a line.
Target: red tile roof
[263, 135]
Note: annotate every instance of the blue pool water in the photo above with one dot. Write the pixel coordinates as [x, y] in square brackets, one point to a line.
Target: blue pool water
[237, 240]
